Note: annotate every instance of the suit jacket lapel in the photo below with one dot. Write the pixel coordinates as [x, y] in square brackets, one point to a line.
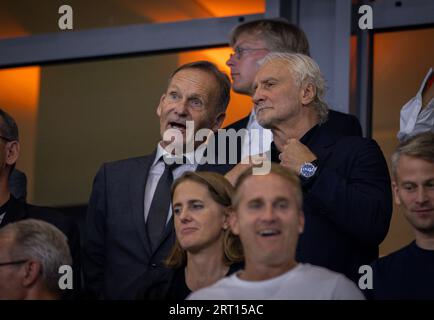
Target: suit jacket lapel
[138, 177]
[321, 144]
[169, 230]
[242, 124]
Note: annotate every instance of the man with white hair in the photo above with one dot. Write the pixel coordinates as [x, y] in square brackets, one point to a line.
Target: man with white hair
[31, 253]
[346, 186]
[253, 40]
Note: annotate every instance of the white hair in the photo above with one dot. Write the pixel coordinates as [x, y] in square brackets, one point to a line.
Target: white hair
[304, 71]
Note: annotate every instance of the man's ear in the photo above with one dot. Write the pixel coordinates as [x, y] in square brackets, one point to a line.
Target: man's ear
[12, 152]
[395, 190]
[308, 94]
[226, 216]
[233, 221]
[32, 271]
[301, 222]
[159, 105]
[218, 121]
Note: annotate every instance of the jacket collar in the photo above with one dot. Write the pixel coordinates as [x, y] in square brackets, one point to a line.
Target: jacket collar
[136, 190]
[15, 211]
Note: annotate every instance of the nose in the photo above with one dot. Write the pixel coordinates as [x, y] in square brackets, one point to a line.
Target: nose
[181, 108]
[268, 215]
[184, 216]
[258, 97]
[231, 61]
[421, 195]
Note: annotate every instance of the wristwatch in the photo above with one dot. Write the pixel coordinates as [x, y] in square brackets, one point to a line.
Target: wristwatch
[308, 169]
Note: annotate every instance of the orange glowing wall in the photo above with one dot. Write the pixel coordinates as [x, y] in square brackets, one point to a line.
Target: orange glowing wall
[170, 11]
[19, 96]
[9, 26]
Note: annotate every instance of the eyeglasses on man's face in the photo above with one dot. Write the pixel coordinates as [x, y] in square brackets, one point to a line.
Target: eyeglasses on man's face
[239, 51]
[11, 263]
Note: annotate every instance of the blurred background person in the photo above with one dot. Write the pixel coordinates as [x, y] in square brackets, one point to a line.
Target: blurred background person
[13, 209]
[31, 252]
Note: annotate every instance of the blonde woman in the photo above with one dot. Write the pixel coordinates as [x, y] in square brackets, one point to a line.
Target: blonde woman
[205, 249]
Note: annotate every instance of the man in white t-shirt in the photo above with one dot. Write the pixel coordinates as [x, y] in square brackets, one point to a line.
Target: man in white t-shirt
[269, 219]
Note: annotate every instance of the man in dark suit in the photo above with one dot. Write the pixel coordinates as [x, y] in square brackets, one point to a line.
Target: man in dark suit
[347, 198]
[251, 41]
[13, 210]
[125, 244]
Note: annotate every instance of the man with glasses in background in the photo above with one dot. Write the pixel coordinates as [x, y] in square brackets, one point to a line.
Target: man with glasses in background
[31, 254]
[13, 210]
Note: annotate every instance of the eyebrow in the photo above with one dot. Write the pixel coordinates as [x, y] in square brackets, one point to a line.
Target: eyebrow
[407, 182]
[255, 200]
[269, 79]
[262, 81]
[196, 96]
[194, 200]
[280, 198]
[189, 202]
[413, 182]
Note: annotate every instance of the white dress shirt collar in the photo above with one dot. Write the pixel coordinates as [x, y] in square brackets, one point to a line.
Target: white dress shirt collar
[262, 142]
[162, 152]
[2, 216]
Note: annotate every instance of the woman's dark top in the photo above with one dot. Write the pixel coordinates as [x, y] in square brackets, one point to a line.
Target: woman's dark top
[172, 285]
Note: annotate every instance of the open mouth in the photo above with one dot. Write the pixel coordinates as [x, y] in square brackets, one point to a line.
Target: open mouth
[177, 125]
[268, 232]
